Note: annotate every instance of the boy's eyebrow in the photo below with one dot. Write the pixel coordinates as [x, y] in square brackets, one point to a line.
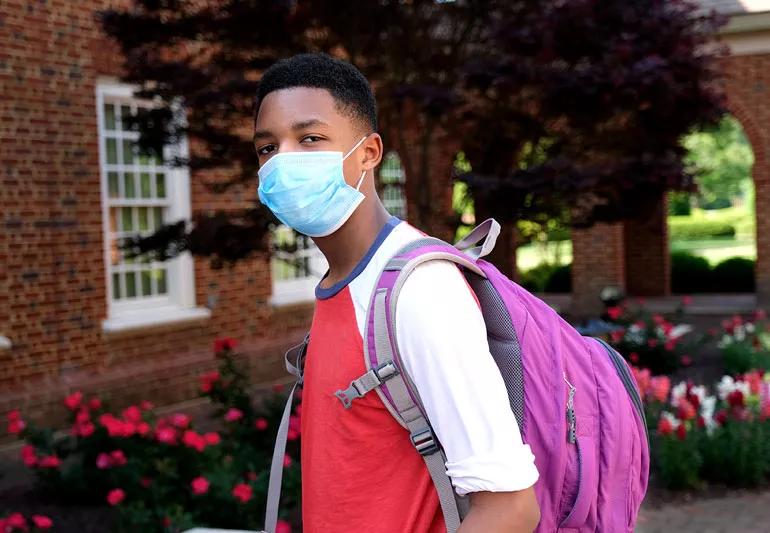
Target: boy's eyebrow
[262, 134]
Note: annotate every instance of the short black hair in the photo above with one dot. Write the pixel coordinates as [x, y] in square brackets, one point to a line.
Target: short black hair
[349, 88]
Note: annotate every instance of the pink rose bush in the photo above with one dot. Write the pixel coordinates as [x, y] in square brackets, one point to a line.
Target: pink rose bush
[160, 472]
[18, 523]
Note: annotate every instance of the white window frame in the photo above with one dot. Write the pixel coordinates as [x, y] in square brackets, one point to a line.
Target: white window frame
[393, 185]
[300, 289]
[178, 305]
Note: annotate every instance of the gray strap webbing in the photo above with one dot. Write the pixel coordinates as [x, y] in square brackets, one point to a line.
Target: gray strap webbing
[276, 467]
[488, 230]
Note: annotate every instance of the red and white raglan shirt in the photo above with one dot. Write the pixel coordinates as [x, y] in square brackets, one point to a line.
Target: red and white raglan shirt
[360, 471]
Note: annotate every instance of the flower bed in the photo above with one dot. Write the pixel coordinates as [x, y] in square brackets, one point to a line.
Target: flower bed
[745, 344]
[698, 437]
[160, 473]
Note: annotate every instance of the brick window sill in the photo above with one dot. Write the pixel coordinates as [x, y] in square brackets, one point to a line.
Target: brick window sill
[153, 318]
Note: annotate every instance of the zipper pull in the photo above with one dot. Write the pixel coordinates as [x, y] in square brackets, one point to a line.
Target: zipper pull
[571, 420]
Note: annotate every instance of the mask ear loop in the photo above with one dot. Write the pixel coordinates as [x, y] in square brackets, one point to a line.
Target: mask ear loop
[363, 174]
[361, 181]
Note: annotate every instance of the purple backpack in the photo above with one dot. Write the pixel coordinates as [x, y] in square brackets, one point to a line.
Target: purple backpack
[574, 398]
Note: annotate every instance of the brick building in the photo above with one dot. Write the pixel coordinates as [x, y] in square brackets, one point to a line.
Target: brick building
[74, 313]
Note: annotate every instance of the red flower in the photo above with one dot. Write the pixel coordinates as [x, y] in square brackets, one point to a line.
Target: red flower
[687, 300]
[132, 414]
[28, 455]
[721, 417]
[166, 435]
[764, 413]
[260, 424]
[224, 344]
[660, 387]
[166, 522]
[652, 343]
[233, 414]
[50, 461]
[115, 496]
[670, 345]
[143, 428]
[212, 438]
[180, 420]
[634, 357]
[103, 461]
[251, 476]
[617, 336]
[735, 399]
[681, 432]
[760, 314]
[16, 521]
[116, 427]
[640, 324]
[41, 522]
[145, 482]
[686, 410]
[278, 387]
[118, 458]
[614, 312]
[200, 485]
[73, 400]
[664, 426]
[686, 360]
[95, 403]
[15, 423]
[282, 527]
[192, 440]
[754, 379]
[208, 379]
[242, 492]
[145, 405]
[287, 462]
[658, 319]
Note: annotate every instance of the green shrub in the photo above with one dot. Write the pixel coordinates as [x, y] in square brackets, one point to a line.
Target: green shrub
[734, 275]
[560, 280]
[690, 273]
[679, 204]
[695, 228]
[547, 278]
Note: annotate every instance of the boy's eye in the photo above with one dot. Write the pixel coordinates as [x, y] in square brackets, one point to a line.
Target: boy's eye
[309, 139]
[266, 149]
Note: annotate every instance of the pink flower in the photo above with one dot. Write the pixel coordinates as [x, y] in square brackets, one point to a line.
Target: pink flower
[642, 377]
[294, 428]
[115, 496]
[634, 357]
[118, 458]
[260, 424]
[670, 345]
[686, 410]
[180, 420]
[82, 416]
[282, 527]
[166, 435]
[16, 521]
[28, 455]
[143, 428]
[145, 405]
[15, 423]
[103, 461]
[132, 414]
[287, 462]
[145, 482]
[617, 336]
[614, 312]
[686, 360]
[760, 314]
[660, 386]
[652, 343]
[251, 476]
[233, 414]
[50, 461]
[242, 492]
[41, 521]
[687, 300]
[681, 432]
[116, 427]
[193, 440]
[224, 344]
[212, 438]
[95, 403]
[200, 485]
[73, 400]
[208, 379]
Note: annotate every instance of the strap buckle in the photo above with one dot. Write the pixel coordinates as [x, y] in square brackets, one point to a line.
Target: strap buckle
[425, 442]
[358, 388]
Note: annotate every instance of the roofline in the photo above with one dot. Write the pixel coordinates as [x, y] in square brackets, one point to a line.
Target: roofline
[747, 22]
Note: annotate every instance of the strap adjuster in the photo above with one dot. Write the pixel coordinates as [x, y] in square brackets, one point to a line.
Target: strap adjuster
[369, 381]
[425, 442]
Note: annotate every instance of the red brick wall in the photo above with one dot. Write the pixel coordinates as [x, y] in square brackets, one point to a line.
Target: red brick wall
[598, 261]
[748, 92]
[648, 260]
[52, 279]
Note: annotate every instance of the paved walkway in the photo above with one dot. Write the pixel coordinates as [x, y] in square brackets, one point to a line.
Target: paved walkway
[744, 513]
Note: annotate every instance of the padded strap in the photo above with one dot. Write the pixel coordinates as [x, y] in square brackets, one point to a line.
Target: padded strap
[488, 230]
[276, 467]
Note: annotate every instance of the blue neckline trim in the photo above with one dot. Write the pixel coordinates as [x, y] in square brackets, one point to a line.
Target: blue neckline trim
[325, 293]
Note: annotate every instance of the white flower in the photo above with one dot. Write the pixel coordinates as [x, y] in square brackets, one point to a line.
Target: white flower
[725, 387]
[744, 387]
[707, 407]
[678, 392]
[700, 392]
[750, 328]
[671, 418]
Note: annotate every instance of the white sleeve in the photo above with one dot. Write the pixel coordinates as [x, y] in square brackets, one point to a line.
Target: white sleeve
[443, 343]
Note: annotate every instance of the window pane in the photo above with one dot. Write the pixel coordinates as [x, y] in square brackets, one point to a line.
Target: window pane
[160, 185]
[160, 278]
[109, 116]
[144, 224]
[146, 283]
[116, 286]
[129, 191]
[125, 113]
[145, 185]
[158, 217]
[127, 221]
[112, 151]
[128, 152]
[112, 180]
[156, 158]
[130, 285]
[144, 159]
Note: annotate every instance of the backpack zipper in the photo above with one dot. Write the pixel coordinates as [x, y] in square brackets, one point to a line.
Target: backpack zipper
[571, 421]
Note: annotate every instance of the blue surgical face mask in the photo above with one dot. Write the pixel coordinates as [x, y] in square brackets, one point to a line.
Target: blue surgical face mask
[307, 191]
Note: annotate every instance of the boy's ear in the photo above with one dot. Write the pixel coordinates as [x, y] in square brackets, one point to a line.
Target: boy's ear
[373, 151]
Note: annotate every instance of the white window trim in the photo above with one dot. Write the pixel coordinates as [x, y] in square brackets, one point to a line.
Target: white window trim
[179, 305]
[297, 291]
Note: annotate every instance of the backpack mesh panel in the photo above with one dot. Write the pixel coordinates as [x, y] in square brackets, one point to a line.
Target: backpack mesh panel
[503, 343]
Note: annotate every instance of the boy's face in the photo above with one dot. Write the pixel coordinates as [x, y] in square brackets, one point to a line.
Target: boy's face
[303, 119]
